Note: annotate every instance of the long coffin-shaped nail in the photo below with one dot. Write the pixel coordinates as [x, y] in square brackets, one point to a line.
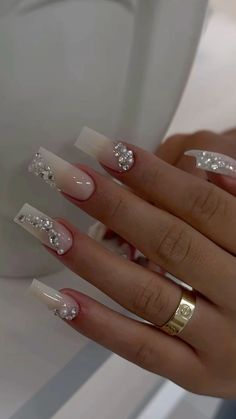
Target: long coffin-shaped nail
[61, 304]
[52, 233]
[214, 162]
[62, 175]
[112, 154]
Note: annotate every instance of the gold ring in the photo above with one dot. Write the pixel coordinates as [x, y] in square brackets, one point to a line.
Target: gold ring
[182, 314]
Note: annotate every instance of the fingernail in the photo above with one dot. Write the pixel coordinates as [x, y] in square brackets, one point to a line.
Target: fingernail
[60, 174]
[49, 232]
[61, 304]
[112, 154]
[213, 162]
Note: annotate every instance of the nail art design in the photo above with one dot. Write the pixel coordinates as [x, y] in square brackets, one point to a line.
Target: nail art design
[48, 231]
[114, 155]
[61, 304]
[214, 162]
[40, 168]
[60, 174]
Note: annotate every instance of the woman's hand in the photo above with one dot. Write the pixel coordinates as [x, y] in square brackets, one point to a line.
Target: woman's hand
[177, 220]
[172, 151]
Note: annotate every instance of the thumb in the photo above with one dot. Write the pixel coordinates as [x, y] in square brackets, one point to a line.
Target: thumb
[220, 169]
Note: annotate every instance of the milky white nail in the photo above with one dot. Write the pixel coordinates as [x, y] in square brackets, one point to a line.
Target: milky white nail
[50, 232]
[61, 304]
[214, 162]
[112, 154]
[62, 175]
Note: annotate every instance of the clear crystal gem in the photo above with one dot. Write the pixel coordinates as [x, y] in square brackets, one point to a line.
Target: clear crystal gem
[40, 168]
[125, 156]
[21, 218]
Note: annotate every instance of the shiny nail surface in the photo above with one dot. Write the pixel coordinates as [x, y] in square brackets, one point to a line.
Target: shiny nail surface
[62, 175]
[112, 154]
[214, 162]
[51, 233]
[61, 304]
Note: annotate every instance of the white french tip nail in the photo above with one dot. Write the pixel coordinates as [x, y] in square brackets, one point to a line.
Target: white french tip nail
[213, 162]
[112, 154]
[60, 174]
[44, 228]
[61, 304]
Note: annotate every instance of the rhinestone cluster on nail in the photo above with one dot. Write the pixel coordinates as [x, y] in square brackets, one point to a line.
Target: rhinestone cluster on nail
[46, 225]
[66, 312]
[124, 156]
[40, 168]
[215, 162]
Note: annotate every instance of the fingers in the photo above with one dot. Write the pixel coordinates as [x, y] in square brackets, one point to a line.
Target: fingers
[141, 344]
[172, 151]
[200, 204]
[223, 182]
[141, 291]
[163, 238]
[137, 289]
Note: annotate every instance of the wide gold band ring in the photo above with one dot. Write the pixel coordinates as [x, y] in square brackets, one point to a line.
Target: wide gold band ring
[182, 314]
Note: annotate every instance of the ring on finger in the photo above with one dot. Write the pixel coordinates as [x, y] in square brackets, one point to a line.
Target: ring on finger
[182, 314]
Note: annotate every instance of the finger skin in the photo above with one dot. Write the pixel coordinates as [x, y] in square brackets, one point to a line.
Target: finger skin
[137, 342]
[163, 238]
[201, 204]
[141, 291]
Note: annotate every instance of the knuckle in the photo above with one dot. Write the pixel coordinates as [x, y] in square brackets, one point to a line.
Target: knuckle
[151, 301]
[144, 355]
[206, 204]
[175, 246]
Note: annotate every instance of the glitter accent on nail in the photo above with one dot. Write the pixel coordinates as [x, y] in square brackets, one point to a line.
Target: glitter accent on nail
[46, 225]
[67, 311]
[124, 156]
[40, 168]
[214, 162]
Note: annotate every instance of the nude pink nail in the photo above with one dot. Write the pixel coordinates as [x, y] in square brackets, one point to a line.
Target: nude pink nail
[112, 154]
[62, 175]
[50, 232]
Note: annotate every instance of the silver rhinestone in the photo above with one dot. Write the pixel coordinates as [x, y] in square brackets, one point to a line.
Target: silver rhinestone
[28, 218]
[130, 153]
[125, 167]
[35, 221]
[21, 218]
[53, 238]
[74, 310]
[47, 224]
[60, 251]
[130, 161]
[64, 313]
[121, 159]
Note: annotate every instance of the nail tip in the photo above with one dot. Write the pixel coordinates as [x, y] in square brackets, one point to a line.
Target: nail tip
[25, 207]
[34, 284]
[192, 153]
[82, 140]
